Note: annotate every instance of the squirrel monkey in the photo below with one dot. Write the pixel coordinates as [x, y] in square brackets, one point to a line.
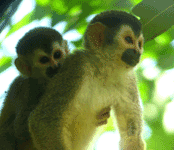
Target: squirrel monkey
[100, 76]
[40, 54]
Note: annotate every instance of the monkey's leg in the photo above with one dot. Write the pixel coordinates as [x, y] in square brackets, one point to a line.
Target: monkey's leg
[129, 120]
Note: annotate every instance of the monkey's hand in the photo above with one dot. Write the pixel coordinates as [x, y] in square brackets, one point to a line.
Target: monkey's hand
[132, 144]
[103, 116]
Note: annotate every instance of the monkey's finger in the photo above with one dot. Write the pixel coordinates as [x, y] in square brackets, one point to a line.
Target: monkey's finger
[102, 122]
[104, 114]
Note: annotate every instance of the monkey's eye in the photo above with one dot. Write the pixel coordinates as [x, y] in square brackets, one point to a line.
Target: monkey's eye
[129, 39]
[57, 55]
[44, 60]
[139, 44]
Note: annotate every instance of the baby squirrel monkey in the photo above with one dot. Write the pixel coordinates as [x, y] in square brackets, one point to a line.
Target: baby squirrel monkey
[40, 54]
[100, 76]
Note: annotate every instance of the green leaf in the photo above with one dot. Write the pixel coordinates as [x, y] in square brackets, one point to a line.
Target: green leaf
[57, 18]
[26, 20]
[156, 16]
[59, 6]
[166, 57]
[40, 12]
[78, 43]
[75, 10]
[43, 2]
[5, 62]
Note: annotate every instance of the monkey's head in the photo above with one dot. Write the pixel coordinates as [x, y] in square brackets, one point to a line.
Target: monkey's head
[117, 35]
[41, 52]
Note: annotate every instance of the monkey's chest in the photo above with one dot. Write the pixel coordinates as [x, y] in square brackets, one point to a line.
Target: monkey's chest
[94, 96]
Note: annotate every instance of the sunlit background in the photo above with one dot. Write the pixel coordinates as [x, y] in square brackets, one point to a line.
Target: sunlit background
[155, 73]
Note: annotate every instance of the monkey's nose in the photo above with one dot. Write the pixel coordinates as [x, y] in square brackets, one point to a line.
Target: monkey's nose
[131, 57]
[53, 63]
[52, 71]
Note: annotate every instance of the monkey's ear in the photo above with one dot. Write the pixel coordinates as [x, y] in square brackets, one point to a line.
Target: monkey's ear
[65, 45]
[95, 35]
[23, 67]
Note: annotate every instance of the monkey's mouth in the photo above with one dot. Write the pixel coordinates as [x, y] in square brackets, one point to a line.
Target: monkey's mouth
[53, 71]
[131, 57]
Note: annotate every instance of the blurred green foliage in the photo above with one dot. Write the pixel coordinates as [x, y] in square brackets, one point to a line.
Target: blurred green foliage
[160, 50]
[5, 62]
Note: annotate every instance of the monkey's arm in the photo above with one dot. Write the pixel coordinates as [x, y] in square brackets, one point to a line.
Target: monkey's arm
[7, 137]
[8, 110]
[28, 100]
[129, 119]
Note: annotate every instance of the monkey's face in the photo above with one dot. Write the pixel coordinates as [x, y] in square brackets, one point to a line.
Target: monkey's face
[47, 65]
[129, 47]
